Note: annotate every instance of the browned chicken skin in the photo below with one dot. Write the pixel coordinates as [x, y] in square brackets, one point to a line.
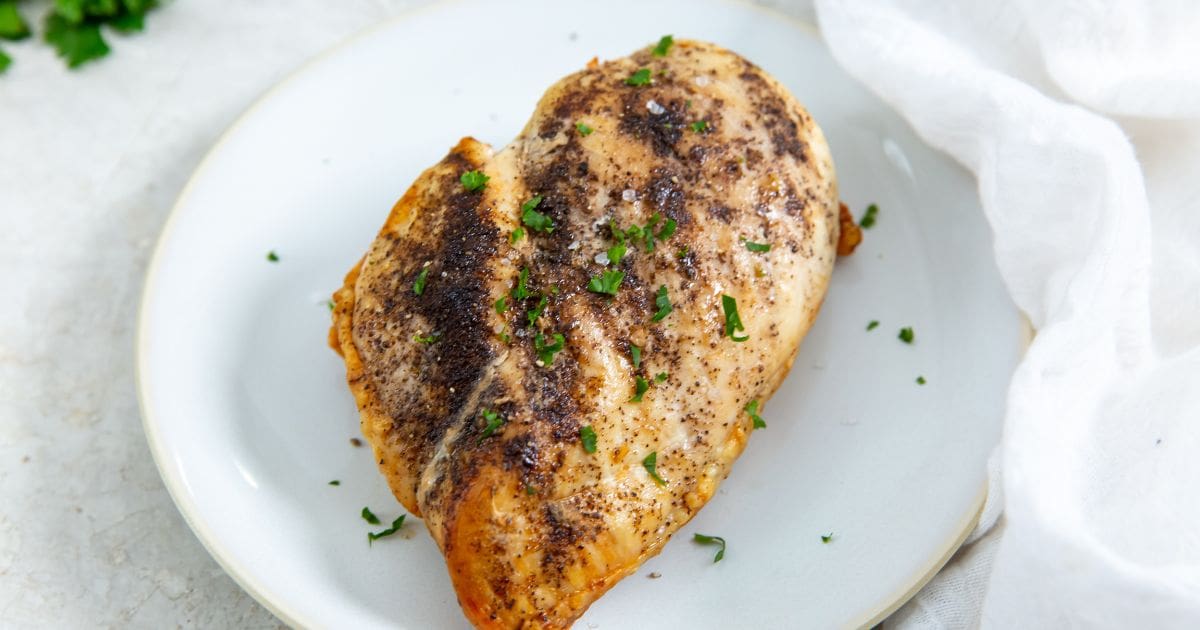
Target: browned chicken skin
[476, 416]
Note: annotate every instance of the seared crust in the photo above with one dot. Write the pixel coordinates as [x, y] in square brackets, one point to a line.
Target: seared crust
[533, 528]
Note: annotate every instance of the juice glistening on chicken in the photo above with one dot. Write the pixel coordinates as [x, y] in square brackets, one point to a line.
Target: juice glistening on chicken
[553, 346]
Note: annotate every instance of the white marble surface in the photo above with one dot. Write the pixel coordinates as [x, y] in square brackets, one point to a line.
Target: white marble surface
[90, 163]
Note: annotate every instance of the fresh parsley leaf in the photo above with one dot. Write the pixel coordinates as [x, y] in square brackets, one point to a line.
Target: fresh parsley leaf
[530, 490]
[682, 253]
[473, 180]
[873, 325]
[660, 377]
[906, 335]
[639, 389]
[583, 129]
[752, 409]
[369, 517]
[825, 538]
[330, 304]
[546, 352]
[520, 292]
[533, 219]
[12, 26]
[733, 322]
[639, 78]
[427, 339]
[587, 436]
[536, 312]
[272, 256]
[502, 304]
[396, 524]
[700, 126]
[504, 335]
[607, 282]
[77, 43]
[920, 380]
[419, 283]
[635, 353]
[868, 219]
[494, 421]
[651, 466]
[335, 482]
[516, 235]
[711, 540]
[757, 247]
[663, 303]
[5, 61]
[664, 45]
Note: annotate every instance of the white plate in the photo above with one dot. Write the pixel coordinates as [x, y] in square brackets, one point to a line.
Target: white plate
[248, 414]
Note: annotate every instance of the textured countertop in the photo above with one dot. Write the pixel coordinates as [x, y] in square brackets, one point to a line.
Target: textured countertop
[90, 164]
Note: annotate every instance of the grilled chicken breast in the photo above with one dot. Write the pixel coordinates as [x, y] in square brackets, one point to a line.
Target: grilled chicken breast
[554, 410]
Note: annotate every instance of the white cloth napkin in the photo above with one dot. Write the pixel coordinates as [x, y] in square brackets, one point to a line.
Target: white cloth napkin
[1080, 120]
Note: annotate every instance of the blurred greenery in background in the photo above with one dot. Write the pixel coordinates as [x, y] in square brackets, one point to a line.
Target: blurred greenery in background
[72, 27]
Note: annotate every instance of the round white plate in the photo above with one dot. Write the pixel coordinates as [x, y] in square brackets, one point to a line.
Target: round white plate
[249, 417]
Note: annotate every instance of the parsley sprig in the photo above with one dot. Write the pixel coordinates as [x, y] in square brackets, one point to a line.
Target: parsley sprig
[74, 27]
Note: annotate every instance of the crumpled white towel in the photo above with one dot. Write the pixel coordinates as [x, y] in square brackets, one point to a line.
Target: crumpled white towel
[1098, 240]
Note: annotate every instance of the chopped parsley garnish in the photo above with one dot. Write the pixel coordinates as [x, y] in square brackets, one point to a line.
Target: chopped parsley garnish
[584, 130]
[906, 334]
[428, 338]
[502, 304]
[733, 322]
[639, 78]
[530, 490]
[711, 540]
[825, 538]
[535, 220]
[473, 180]
[757, 247]
[494, 421]
[667, 231]
[504, 335]
[272, 256]
[330, 304]
[335, 482]
[607, 282]
[369, 517]
[587, 435]
[663, 45]
[520, 292]
[660, 377]
[546, 352]
[536, 312]
[700, 126]
[635, 353]
[516, 235]
[873, 325]
[651, 466]
[752, 409]
[920, 380]
[663, 303]
[419, 283]
[396, 524]
[639, 389]
[616, 253]
[869, 217]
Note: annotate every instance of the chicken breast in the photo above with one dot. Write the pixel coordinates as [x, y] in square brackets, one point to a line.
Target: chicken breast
[555, 410]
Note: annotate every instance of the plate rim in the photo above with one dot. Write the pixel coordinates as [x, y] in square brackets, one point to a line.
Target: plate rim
[181, 496]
